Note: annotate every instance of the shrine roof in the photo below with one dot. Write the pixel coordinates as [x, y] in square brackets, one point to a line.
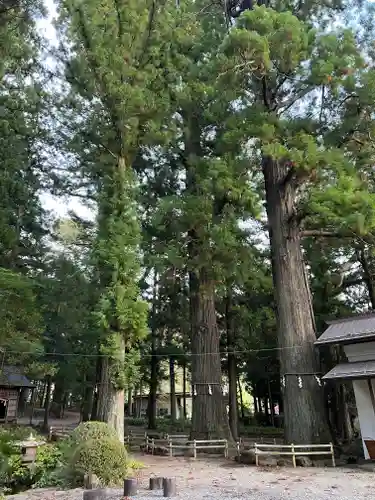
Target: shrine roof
[12, 376]
[352, 371]
[355, 329]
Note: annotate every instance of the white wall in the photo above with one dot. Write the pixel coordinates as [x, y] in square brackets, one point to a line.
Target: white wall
[366, 413]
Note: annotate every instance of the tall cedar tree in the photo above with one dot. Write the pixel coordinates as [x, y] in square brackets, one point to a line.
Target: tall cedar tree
[297, 85]
[21, 225]
[202, 217]
[118, 60]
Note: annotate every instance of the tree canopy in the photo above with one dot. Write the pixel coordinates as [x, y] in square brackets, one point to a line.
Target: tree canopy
[227, 163]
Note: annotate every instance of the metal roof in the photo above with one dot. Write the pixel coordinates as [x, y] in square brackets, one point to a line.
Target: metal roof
[350, 371]
[12, 376]
[349, 330]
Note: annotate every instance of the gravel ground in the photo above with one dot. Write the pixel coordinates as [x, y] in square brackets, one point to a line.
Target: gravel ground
[225, 480]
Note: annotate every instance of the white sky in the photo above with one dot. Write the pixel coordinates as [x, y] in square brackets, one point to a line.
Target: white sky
[57, 205]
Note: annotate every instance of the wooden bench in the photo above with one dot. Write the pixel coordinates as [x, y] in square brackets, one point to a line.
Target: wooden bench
[294, 450]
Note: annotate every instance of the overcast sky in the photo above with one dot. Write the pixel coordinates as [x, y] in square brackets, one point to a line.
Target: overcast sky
[60, 207]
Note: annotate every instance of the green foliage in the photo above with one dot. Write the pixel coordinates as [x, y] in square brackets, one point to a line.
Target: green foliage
[47, 471]
[15, 475]
[105, 457]
[136, 421]
[329, 63]
[91, 431]
[20, 319]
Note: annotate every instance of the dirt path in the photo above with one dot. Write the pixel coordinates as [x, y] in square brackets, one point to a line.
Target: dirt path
[296, 483]
[226, 480]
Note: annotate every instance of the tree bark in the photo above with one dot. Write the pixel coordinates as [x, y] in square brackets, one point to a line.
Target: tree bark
[111, 399]
[232, 369]
[303, 407]
[209, 419]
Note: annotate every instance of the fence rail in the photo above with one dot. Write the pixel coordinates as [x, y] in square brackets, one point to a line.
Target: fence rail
[295, 451]
[194, 446]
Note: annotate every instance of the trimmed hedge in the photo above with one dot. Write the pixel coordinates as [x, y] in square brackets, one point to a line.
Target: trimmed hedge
[105, 457]
[92, 431]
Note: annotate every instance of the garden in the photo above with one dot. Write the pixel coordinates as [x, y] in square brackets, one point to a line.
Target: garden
[92, 448]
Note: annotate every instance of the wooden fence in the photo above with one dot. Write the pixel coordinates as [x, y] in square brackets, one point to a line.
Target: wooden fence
[194, 446]
[294, 450]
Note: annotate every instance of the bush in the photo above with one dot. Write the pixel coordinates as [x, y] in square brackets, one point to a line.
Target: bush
[48, 467]
[167, 426]
[105, 457]
[136, 422]
[17, 476]
[88, 431]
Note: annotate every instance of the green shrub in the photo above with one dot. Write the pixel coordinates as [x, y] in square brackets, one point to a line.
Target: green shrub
[105, 457]
[136, 421]
[92, 431]
[167, 426]
[49, 469]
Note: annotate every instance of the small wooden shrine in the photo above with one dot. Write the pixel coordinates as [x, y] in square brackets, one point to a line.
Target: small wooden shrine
[357, 336]
[13, 384]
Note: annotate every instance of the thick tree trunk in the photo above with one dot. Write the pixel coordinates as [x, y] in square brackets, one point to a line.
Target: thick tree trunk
[111, 400]
[172, 385]
[209, 419]
[232, 369]
[303, 407]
